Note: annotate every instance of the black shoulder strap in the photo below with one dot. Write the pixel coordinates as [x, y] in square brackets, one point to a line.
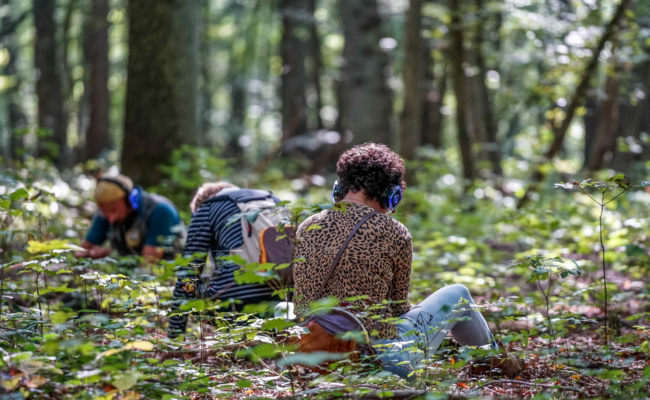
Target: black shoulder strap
[341, 250]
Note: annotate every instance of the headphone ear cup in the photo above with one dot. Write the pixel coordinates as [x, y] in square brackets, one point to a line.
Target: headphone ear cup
[336, 191]
[134, 197]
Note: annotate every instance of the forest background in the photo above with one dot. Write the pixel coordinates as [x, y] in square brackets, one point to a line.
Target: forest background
[490, 102]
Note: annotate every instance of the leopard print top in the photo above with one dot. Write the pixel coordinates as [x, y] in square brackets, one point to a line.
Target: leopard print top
[378, 256]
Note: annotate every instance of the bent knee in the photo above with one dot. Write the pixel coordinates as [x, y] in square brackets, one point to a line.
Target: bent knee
[460, 291]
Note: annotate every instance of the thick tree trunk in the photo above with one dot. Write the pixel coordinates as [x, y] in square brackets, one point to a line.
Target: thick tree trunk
[294, 50]
[51, 112]
[366, 97]
[457, 57]
[15, 116]
[317, 63]
[433, 101]
[607, 132]
[411, 118]
[97, 135]
[161, 94]
[491, 144]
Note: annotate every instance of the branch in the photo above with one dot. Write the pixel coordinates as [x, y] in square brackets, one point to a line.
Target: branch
[560, 132]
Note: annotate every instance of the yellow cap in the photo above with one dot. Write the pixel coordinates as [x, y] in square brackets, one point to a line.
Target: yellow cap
[112, 187]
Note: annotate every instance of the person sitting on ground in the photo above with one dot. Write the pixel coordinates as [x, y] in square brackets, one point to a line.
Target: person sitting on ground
[212, 232]
[377, 264]
[133, 221]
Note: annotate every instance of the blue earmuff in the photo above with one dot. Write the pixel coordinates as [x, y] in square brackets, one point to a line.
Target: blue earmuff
[390, 198]
[132, 195]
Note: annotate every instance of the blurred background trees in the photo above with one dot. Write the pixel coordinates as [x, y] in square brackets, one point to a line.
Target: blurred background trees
[487, 86]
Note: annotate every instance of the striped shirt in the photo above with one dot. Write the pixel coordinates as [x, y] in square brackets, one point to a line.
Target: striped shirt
[210, 234]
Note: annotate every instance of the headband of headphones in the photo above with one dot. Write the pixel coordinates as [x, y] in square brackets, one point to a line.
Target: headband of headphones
[389, 199]
[131, 193]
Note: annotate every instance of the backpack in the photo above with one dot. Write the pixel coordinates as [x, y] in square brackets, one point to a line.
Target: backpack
[259, 218]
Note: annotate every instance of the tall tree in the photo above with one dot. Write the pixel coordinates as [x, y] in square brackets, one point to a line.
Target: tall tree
[162, 88]
[491, 144]
[15, 115]
[294, 50]
[411, 119]
[51, 110]
[366, 97]
[457, 54]
[97, 134]
[434, 95]
[608, 126]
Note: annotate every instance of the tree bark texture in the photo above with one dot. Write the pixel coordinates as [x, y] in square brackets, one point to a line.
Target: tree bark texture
[366, 97]
[460, 89]
[162, 88]
[295, 48]
[491, 144]
[51, 110]
[15, 116]
[411, 118]
[607, 132]
[433, 100]
[97, 134]
[317, 64]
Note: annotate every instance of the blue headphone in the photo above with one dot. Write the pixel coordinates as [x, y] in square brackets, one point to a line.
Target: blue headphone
[132, 195]
[389, 199]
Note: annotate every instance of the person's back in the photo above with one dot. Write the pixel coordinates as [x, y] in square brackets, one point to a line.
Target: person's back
[377, 260]
[211, 234]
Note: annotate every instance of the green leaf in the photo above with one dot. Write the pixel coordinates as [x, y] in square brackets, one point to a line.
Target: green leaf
[19, 194]
[125, 381]
[57, 289]
[313, 227]
[311, 359]
[199, 305]
[244, 383]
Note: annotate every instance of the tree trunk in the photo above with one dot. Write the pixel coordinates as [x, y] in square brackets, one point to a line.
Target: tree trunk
[15, 117]
[433, 101]
[51, 112]
[161, 94]
[413, 81]
[457, 56]
[294, 50]
[590, 122]
[366, 96]
[607, 132]
[97, 135]
[317, 63]
[491, 145]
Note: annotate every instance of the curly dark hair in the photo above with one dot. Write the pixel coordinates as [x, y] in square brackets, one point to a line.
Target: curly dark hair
[370, 167]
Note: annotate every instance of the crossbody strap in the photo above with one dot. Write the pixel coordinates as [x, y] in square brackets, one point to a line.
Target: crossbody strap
[341, 250]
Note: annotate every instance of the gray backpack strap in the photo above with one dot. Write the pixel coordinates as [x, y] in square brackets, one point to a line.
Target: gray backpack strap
[341, 250]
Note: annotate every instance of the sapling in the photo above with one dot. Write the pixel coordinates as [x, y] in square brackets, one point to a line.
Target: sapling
[610, 190]
[545, 269]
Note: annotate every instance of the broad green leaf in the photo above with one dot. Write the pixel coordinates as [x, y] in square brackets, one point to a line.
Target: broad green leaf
[57, 289]
[311, 359]
[19, 194]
